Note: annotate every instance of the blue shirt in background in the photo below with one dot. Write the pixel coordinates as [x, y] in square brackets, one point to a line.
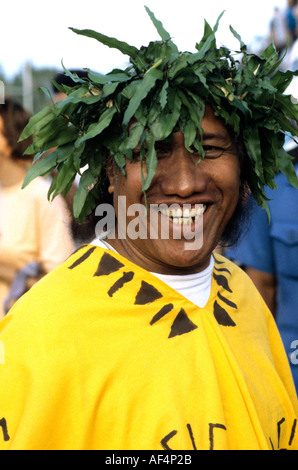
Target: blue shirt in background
[273, 248]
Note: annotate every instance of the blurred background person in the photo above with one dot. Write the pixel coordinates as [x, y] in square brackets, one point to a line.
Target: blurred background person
[278, 30]
[34, 233]
[292, 20]
[268, 252]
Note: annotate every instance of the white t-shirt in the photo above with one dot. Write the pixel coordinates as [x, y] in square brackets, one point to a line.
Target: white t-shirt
[32, 229]
[194, 287]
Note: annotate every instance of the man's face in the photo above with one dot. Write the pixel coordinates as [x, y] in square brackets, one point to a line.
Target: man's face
[212, 186]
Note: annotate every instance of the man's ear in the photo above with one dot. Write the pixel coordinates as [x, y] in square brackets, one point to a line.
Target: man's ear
[110, 170]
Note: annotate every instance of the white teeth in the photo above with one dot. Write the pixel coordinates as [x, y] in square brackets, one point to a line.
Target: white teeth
[181, 216]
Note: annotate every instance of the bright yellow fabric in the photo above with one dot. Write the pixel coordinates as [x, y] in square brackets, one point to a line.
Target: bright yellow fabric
[91, 362]
[32, 229]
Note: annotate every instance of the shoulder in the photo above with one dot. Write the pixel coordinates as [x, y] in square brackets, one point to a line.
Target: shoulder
[38, 186]
[37, 193]
[55, 309]
[221, 263]
[240, 283]
[249, 310]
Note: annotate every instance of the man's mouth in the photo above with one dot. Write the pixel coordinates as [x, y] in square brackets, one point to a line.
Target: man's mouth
[184, 216]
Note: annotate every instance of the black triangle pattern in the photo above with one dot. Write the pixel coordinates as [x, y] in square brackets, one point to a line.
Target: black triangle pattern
[182, 325]
[221, 315]
[108, 265]
[147, 294]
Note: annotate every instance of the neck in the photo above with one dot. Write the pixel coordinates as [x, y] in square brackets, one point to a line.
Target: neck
[11, 172]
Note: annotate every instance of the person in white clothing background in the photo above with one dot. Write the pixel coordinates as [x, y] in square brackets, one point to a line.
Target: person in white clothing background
[32, 230]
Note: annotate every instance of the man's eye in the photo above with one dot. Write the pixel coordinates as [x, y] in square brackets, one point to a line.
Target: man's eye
[213, 152]
[162, 152]
[136, 156]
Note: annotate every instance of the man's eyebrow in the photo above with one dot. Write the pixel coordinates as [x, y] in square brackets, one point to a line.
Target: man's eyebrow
[217, 136]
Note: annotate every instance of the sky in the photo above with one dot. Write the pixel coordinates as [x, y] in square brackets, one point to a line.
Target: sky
[38, 32]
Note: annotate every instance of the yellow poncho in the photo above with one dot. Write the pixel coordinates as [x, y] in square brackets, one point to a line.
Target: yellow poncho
[101, 354]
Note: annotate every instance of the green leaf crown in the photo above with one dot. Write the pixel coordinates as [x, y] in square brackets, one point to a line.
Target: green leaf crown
[164, 90]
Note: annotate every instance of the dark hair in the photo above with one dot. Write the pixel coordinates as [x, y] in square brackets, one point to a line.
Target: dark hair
[240, 220]
[15, 118]
[62, 79]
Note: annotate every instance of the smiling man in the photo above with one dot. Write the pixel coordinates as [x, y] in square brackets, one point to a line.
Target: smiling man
[144, 340]
[208, 190]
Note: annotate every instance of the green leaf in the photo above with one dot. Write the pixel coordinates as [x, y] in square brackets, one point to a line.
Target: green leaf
[63, 180]
[141, 92]
[64, 135]
[289, 108]
[190, 133]
[130, 89]
[47, 92]
[192, 108]
[90, 203]
[135, 133]
[77, 153]
[163, 97]
[151, 161]
[75, 78]
[120, 161]
[159, 26]
[237, 36]
[114, 43]
[48, 163]
[49, 131]
[164, 124]
[253, 147]
[97, 128]
[287, 168]
[112, 77]
[208, 42]
[86, 182]
[37, 122]
[208, 32]
[281, 80]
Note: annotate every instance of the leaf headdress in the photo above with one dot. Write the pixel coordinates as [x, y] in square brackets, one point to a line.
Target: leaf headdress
[164, 90]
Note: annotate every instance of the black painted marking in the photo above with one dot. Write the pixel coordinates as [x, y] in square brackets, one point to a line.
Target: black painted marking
[108, 265]
[127, 277]
[222, 281]
[182, 325]
[191, 436]
[222, 270]
[82, 258]
[222, 317]
[212, 427]
[166, 439]
[77, 250]
[3, 425]
[217, 261]
[147, 294]
[293, 432]
[165, 309]
[227, 301]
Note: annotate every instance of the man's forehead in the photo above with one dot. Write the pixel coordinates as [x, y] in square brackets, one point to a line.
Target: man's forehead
[214, 126]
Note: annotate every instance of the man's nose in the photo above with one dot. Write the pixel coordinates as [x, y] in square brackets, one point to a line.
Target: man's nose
[183, 177]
